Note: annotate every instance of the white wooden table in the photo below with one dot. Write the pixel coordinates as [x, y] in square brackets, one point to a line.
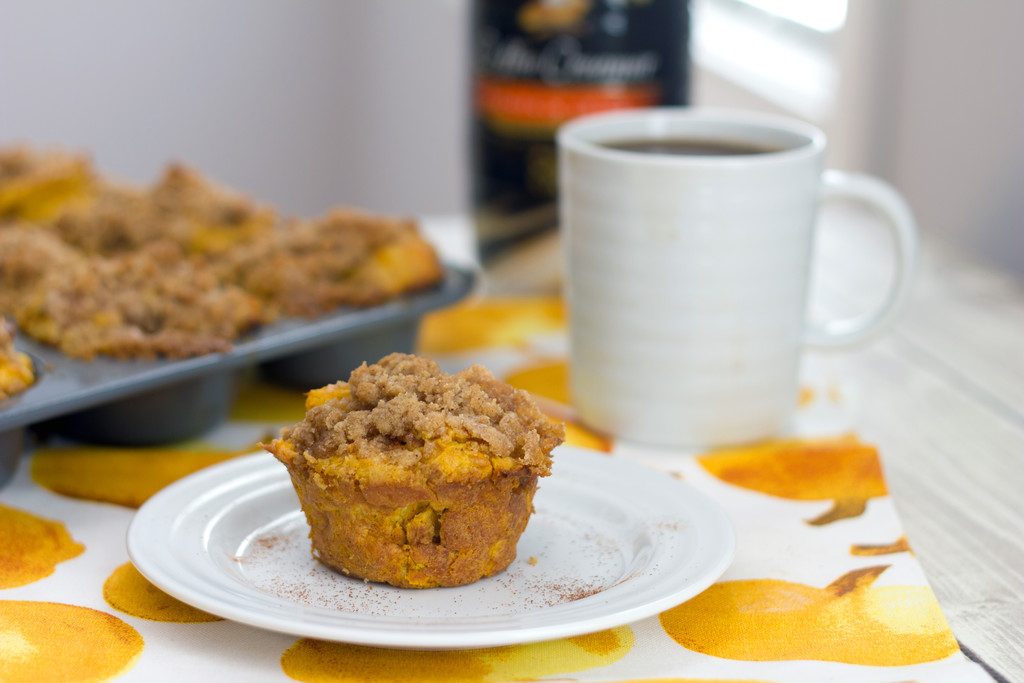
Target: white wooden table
[943, 397]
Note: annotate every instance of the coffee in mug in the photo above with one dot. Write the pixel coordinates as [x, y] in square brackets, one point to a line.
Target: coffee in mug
[690, 147]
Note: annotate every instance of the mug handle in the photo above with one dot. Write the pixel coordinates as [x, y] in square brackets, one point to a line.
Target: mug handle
[888, 202]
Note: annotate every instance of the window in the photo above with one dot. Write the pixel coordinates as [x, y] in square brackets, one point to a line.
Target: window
[825, 16]
[783, 51]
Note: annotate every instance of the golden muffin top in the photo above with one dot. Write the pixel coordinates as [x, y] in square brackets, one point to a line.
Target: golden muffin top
[16, 372]
[183, 266]
[404, 410]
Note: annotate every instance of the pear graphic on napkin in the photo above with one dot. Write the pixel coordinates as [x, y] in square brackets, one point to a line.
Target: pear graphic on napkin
[494, 323]
[32, 547]
[548, 379]
[51, 641]
[128, 591]
[849, 621]
[124, 476]
[841, 469]
[317, 661]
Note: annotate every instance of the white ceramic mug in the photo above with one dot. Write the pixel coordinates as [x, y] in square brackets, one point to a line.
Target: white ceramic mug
[687, 275]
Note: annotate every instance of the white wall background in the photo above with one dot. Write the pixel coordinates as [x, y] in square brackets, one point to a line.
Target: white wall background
[952, 130]
[306, 103]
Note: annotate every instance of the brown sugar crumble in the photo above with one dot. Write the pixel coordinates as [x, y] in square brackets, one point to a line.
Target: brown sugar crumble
[401, 408]
[532, 560]
[116, 219]
[27, 255]
[16, 371]
[148, 303]
[182, 267]
[318, 265]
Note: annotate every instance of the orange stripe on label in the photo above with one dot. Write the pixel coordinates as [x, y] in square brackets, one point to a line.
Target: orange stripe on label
[525, 103]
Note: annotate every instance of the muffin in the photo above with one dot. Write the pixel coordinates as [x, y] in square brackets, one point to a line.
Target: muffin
[36, 186]
[181, 267]
[27, 256]
[206, 217]
[416, 478]
[16, 373]
[145, 304]
[345, 258]
[115, 219]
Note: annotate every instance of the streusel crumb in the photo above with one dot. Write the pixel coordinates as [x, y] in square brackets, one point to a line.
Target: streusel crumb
[27, 254]
[16, 372]
[400, 408]
[209, 218]
[114, 220]
[148, 303]
[36, 185]
[315, 266]
[184, 266]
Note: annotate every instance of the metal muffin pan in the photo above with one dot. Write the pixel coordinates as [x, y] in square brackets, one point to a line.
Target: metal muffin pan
[149, 402]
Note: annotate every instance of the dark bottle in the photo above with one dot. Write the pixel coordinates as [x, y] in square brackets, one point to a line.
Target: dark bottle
[539, 63]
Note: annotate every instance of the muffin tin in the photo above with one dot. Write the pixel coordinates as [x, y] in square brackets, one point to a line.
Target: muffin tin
[148, 402]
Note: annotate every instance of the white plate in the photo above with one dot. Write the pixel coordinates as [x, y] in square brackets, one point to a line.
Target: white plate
[614, 542]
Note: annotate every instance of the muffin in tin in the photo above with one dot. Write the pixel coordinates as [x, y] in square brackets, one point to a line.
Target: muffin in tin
[36, 186]
[184, 266]
[416, 478]
[16, 372]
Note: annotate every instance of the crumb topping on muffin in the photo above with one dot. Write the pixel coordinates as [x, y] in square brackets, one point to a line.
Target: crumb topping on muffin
[317, 265]
[16, 372]
[84, 262]
[148, 303]
[27, 254]
[35, 185]
[113, 220]
[403, 410]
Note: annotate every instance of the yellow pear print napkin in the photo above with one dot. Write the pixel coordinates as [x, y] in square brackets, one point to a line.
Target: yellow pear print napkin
[824, 587]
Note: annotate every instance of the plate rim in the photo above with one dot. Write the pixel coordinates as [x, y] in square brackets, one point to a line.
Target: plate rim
[205, 480]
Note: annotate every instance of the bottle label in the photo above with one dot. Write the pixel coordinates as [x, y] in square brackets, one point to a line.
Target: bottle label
[510, 105]
[539, 63]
